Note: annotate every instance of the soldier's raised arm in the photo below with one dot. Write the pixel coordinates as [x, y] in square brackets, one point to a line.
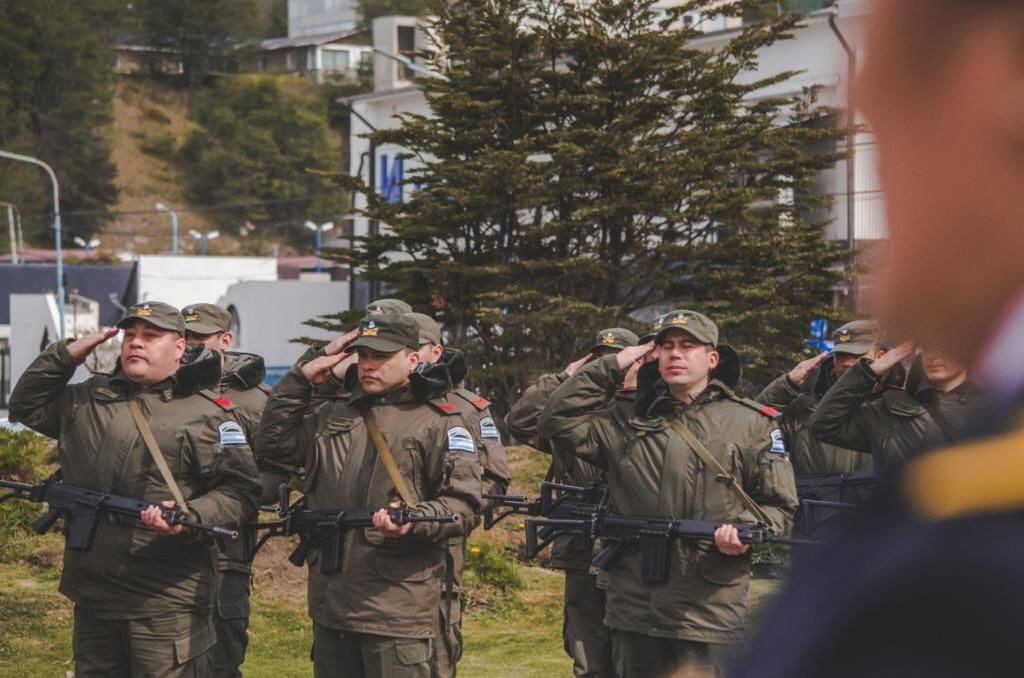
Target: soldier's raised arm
[844, 416]
[42, 396]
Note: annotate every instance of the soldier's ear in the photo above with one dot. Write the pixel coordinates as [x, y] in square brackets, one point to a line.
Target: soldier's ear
[225, 340]
[713, 358]
[179, 347]
[414, 359]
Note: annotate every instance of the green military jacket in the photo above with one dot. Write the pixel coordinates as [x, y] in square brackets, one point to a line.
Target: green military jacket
[567, 553]
[810, 456]
[131, 571]
[385, 586]
[895, 427]
[240, 386]
[653, 471]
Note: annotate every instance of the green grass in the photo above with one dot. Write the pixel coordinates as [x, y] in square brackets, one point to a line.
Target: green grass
[280, 635]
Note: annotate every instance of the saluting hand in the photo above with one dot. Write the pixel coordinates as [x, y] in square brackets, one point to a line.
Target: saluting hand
[575, 365]
[727, 540]
[341, 368]
[80, 348]
[382, 521]
[799, 374]
[153, 518]
[892, 358]
[338, 345]
[628, 356]
[318, 370]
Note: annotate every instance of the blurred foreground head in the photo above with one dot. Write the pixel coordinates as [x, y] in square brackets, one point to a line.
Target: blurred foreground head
[943, 90]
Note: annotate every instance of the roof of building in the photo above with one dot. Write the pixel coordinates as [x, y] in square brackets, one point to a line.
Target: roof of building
[313, 40]
[93, 281]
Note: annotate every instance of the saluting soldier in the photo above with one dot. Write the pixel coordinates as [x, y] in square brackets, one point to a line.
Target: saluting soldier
[585, 638]
[665, 453]
[448, 367]
[377, 614]
[240, 391]
[143, 594]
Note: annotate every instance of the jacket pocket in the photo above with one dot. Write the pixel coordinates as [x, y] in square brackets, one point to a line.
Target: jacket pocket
[415, 567]
[722, 570]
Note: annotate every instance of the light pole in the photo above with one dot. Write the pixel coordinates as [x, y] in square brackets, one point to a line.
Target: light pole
[160, 207]
[319, 229]
[204, 237]
[13, 218]
[87, 244]
[56, 230]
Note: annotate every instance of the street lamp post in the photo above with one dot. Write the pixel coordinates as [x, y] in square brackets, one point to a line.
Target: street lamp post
[160, 207]
[319, 230]
[13, 218]
[204, 237]
[56, 230]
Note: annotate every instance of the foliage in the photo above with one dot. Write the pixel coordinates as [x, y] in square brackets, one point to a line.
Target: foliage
[490, 576]
[56, 104]
[585, 165]
[24, 457]
[264, 138]
[201, 32]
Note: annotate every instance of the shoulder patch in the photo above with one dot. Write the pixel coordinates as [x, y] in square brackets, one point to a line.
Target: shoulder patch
[778, 443]
[231, 433]
[460, 440]
[442, 405]
[488, 429]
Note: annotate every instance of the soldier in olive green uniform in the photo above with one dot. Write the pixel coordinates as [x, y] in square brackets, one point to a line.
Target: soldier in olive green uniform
[584, 636]
[377, 615]
[652, 470]
[790, 394]
[932, 411]
[143, 597]
[449, 367]
[240, 390]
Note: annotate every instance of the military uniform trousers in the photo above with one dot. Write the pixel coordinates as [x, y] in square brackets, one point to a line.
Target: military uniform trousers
[168, 645]
[585, 637]
[448, 647]
[639, 656]
[344, 654]
[232, 622]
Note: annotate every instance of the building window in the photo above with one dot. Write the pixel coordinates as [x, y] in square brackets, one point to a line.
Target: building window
[335, 60]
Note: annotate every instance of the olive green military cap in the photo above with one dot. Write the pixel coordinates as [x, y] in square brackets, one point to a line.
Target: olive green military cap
[616, 338]
[696, 324]
[430, 329]
[387, 333]
[857, 337]
[206, 319]
[388, 306]
[156, 313]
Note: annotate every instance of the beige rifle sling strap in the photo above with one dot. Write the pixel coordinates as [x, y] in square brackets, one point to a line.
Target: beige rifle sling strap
[723, 475]
[154, 451]
[384, 452]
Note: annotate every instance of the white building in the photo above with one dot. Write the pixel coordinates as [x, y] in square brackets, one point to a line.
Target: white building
[816, 52]
[312, 17]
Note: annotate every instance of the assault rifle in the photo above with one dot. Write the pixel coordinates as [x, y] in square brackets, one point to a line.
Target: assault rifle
[556, 500]
[323, 528]
[653, 536]
[81, 508]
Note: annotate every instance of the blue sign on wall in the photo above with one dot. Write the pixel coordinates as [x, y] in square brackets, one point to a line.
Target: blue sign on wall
[819, 336]
[391, 181]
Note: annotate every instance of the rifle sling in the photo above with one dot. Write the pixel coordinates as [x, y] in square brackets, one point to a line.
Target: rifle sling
[728, 478]
[940, 420]
[384, 454]
[158, 457]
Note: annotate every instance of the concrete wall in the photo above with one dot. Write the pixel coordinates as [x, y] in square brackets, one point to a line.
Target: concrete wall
[270, 314]
[180, 281]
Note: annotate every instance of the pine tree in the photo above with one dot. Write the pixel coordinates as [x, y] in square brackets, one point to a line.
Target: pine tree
[586, 160]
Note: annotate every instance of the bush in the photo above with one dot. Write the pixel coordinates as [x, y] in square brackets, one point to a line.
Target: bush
[490, 576]
[24, 457]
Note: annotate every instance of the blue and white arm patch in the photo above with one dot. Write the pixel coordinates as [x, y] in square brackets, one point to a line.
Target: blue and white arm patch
[460, 440]
[778, 443]
[231, 434]
[488, 430]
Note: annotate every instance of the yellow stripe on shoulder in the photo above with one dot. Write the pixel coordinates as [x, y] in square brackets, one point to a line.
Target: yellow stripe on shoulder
[985, 476]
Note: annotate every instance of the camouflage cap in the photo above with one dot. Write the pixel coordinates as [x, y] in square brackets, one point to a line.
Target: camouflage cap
[430, 329]
[156, 313]
[691, 322]
[206, 319]
[387, 333]
[388, 306]
[857, 337]
[616, 338]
